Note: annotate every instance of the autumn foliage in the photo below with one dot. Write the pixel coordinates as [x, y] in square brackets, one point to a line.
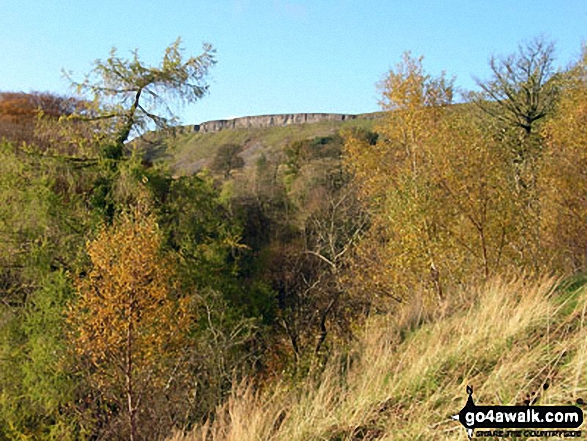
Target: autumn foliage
[458, 194]
[128, 324]
[565, 170]
[19, 113]
[133, 301]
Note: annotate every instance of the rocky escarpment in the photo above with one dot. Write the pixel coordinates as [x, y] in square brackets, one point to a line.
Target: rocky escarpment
[269, 121]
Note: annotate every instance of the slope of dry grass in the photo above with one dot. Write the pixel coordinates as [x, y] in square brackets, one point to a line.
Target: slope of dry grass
[511, 340]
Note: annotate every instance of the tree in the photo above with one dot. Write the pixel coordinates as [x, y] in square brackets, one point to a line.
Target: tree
[42, 220]
[441, 192]
[331, 233]
[123, 97]
[564, 189]
[227, 159]
[129, 96]
[524, 87]
[522, 92]
[126, 323]
[19, 111]
[392, 172]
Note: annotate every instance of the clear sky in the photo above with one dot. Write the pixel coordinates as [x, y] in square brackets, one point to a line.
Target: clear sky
[280, 56]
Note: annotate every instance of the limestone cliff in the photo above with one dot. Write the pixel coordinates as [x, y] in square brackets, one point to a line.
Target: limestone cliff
[269, 121]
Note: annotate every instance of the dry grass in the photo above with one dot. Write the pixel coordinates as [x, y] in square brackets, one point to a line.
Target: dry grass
[511, 340]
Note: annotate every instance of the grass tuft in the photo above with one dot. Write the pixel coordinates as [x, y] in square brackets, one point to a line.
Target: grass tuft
[514, 341]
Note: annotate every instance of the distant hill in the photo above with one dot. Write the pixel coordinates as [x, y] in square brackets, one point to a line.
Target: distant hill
[18, 113]
[261, 121]
[189, 149]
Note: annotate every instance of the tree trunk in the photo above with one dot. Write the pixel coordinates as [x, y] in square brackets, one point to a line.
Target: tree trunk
[125, 131]
[129, 379]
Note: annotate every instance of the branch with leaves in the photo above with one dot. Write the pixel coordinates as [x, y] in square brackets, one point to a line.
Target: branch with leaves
[133, 96]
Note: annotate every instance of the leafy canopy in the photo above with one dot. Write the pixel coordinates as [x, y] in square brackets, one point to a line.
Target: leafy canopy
[129, 95]
[127, 323]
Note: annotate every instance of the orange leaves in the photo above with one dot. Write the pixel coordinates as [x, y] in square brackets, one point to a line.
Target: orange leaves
[127, 326]
[126, 299]
[18, 113]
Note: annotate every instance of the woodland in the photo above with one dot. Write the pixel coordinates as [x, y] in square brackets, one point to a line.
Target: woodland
[137, 301]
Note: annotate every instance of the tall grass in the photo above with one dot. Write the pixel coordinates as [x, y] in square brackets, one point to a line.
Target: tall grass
[514, 341]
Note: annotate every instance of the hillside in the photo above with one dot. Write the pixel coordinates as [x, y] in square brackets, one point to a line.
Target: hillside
[188, 151]
[514, 342]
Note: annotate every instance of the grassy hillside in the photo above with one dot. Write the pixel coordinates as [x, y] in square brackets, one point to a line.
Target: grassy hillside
[188, 152]
[515, 342]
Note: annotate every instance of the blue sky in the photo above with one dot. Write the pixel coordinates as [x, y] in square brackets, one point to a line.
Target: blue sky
[280, 56]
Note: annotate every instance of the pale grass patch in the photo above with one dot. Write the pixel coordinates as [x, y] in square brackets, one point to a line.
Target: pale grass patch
[246, 416]
[506, 339]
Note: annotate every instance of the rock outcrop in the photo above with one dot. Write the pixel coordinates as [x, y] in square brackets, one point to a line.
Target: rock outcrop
[269, 121]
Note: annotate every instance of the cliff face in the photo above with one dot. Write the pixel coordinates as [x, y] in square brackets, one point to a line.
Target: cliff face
[269, 121]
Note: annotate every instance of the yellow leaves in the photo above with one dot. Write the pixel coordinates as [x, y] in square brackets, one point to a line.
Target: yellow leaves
[394, 178]
[403, 88]
[414, 99]
[126, 299]
[441, 193]
[415, 102]
[565, 176]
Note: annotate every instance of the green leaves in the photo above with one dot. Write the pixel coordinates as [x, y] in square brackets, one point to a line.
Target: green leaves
[129, 96]
[38, 243]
